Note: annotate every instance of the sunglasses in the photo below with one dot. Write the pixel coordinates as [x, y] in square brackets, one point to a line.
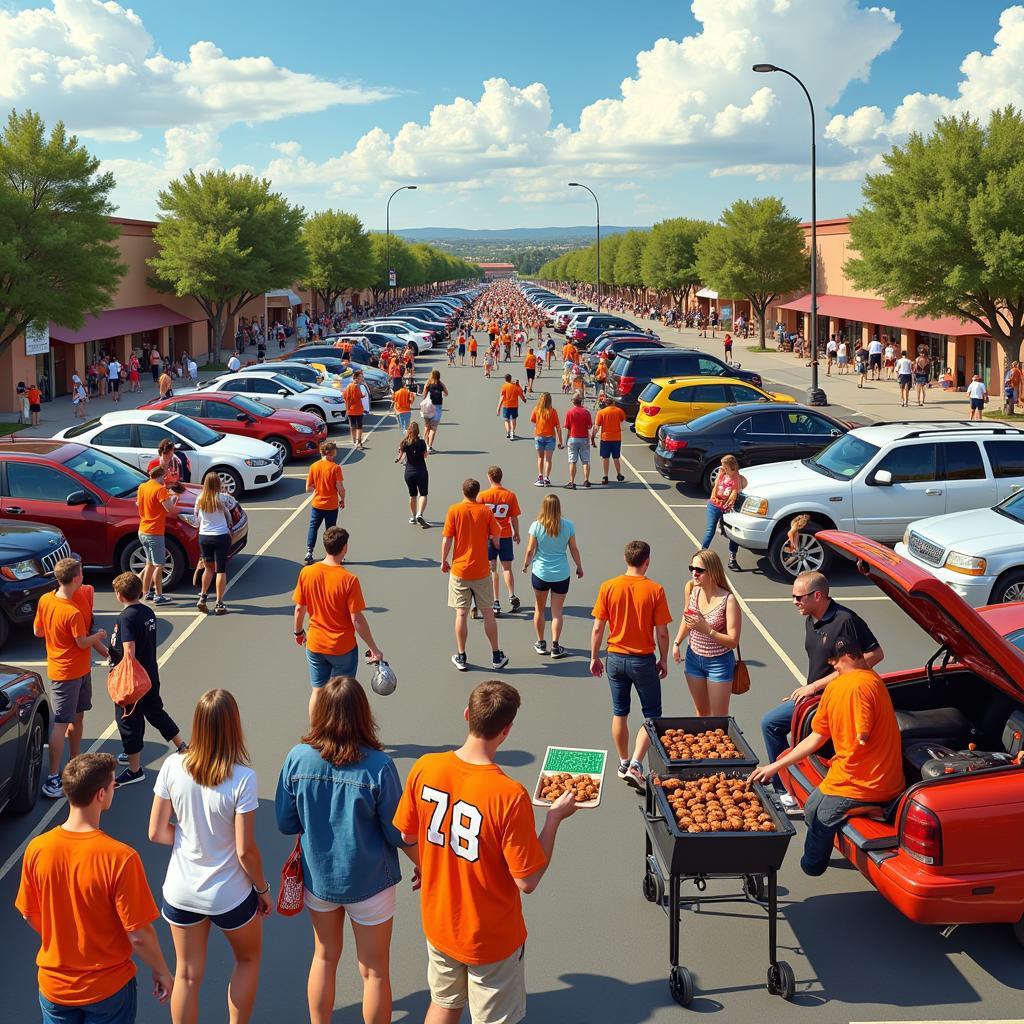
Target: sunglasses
[800, 597]
[697, 569]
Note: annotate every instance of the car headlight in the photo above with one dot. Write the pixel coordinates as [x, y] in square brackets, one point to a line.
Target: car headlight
[189, 520]
[331, 400]
[301, 428]
[23, 570]
[969, 565]
[906, 536]
[259, 462]
[754, 506]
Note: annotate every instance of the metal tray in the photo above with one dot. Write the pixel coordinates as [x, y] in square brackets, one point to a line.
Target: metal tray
[661, 762]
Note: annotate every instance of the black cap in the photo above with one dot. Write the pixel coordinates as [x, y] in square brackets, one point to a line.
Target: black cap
[843, 642]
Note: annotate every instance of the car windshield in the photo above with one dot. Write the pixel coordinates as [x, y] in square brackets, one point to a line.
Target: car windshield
[198, 433]
[1013, 507]
[108, 474]
[252, 407]
[844, 458]
[289, 382]
[711, 420]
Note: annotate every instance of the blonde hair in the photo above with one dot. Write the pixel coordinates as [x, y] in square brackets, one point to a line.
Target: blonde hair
[217, 743]
[543, 401]
[550, 515]
[712, 566]
[209, 497]
[730, 463]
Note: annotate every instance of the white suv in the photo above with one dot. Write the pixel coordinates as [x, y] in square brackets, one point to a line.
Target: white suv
[875, 481]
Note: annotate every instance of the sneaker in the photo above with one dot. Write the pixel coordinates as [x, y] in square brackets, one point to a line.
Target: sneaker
[572, 487]
[586, 483]
[499, 659]
[623, 769]
[541, 647]
[422, 522]
[219, 608]
[620, 477]
[459, 661]
[790, 806]
[52, 787]
[162, 599]
[201, 604]
[604, 479]
[496, 607]
[149, 596]
[557, 650]
[547, 481]
[122, 758]
[514, 603]
[635, 777]
[412, 520]
[733, 565]
[127, 777]
[539, 482]
[309, 558]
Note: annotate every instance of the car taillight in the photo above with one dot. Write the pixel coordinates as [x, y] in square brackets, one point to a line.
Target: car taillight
[756, 380]
[921, 835]
[579, 336]
[626, 384]
[673, 445]
[650, 410]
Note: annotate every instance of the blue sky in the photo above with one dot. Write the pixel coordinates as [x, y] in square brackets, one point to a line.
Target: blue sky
[490, 110]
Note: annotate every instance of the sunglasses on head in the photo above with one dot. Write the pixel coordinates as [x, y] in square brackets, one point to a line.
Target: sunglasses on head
[698, 569]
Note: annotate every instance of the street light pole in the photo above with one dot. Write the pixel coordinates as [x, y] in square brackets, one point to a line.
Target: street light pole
[815, 395]
[387, 234]
[576, 184]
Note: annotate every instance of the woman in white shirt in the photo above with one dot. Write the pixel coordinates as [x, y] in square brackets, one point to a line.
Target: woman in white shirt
[215, 872]
[214, 511]
[977, 394]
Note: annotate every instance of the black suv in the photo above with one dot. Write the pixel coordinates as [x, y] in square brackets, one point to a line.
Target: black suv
[632, 371]
[24, 726]
[28, 553]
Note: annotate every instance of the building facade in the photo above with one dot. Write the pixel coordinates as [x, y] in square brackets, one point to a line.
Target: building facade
[497, 271]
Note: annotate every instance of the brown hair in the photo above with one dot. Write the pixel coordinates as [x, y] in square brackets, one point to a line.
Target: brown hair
[209, 497]
[342, 722]
[67, 570]
[166, 445]
[731, 463]
[217, 743]
[494, 472]
[327, 447]
[84, 776]
[550, 515]
[412, 432]
[471, 488]
[637, 552]
[711, 563]
[128, 585]
[492, 708]
[157, 472]
[335, 539]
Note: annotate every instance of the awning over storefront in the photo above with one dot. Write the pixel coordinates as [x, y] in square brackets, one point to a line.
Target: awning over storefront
[283, 297]
[873, 311]
[707, 293]
[113, 323]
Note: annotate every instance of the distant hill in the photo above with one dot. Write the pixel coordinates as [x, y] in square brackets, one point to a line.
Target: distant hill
[584, 233]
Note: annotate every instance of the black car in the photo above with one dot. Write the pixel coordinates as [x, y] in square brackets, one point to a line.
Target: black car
[28, 553]
[632, 371]
[24, 726]
[591, 326]
[611, 344]
[755, 432]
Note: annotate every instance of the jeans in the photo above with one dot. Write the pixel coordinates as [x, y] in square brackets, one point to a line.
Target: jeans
[775, 730]
[327, 516]
[403, 421]
[323, 667]
[626, 671]
[823, 815]
[120, 1008]
[713, 517]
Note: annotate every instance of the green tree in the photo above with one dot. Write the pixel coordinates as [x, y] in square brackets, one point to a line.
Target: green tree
[628, 262]
[668, 264]
[942, 229]
[223, 239]
[403, 262]
[338, 255]
[755, 251]
[609, 251]
[58, 260]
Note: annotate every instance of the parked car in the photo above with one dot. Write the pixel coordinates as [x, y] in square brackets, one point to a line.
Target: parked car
[668, 400]
[24, 728]
[611, 343]
[281, 392]
[406, 334]
[755, 432]
[242, 463]
[89, 495]
[28, 553]
[632, 371]
[362, 350]
[875, 481]
[947, 850]
[588, 327]
[294, 434]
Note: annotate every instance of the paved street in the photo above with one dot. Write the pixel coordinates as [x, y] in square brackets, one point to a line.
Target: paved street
[597, 951]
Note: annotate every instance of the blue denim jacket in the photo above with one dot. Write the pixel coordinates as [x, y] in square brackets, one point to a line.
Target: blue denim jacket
[349, 845]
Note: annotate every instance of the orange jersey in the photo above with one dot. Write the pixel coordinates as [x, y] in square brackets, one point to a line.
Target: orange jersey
[472, 345]
[150, 499]
[601, 373]
[510, 395]
[323, 477]
[402, 400]
[632, 606]
[530, 362]
[332, 595]
[544, 421]
[504, 504]
[470, 524]
[61, 622]
[609, 421]
[353, 396]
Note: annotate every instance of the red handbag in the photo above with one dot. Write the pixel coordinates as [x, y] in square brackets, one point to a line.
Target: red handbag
[291, 897]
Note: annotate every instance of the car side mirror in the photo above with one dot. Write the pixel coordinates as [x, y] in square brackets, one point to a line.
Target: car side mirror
[883, 478]
[80, 497]
[283, 392]
[737, 366]
[836, 433]
[242, 417]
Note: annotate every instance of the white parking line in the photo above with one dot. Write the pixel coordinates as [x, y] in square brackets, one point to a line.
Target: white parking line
[698, 504]
[272, 508]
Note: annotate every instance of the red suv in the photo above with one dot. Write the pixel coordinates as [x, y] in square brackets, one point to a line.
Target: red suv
[295, 434]
[90, 495]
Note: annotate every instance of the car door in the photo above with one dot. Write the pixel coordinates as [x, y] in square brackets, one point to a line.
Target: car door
[762, 437]
[965, 480]
[708, 398]
[809, 433]
[678, 408]
[1006, 457]
[118, 440]
[268, 391]
[218, 415]
[882, 511]
[10, 732]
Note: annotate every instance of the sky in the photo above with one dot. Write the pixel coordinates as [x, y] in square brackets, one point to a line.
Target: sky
[491, 109]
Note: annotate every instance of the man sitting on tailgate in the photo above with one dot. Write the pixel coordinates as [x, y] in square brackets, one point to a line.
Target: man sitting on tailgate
[856, 713]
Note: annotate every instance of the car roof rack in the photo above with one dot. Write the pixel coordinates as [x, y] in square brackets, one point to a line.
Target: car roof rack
[936, 427]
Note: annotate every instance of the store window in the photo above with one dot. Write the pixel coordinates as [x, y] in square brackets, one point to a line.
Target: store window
[853, 332]
[983, 359]
[935, 344]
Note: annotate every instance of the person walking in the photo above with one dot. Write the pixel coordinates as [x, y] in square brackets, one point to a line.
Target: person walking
[114, 380]
[437, 393]
[505, 506]
[85, 894]
[530, 364]
[608, 425]
[215, 872]
[922, 370]
[327, 482]
[728, 485]
[578, 426]
[550, 536]
[875, 349]
[154, 502]
[710, 624]
[79, 398]
[904, 375]
[401, 403]
[338, 792]
[155, 362]
[35, 403]
[508, 405]
[413, 449]
[333, 599]
[634, 611]
[353, 395]
[213, 509]
[727, 345]
[478, 852]
[977, 396]
[468, 529]
[546, 427]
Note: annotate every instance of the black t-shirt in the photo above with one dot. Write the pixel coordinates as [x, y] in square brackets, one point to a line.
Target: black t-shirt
[137, 623]
[821, 633]
[415, 456]
[436, 393]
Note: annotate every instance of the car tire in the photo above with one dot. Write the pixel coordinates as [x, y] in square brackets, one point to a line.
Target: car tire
[414, 345]
[1018, 930]
[230, 481]
[133, 559]
[811, 554]
[282, 446]
[26, 786]
[710, 476]
[315, 410]
[1009, 587]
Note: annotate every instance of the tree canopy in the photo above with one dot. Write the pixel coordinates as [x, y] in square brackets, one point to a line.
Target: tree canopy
[338, 254]
[669, 259]
[58, 260]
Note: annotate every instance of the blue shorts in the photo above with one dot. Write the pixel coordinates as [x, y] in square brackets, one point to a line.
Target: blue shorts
[323, 667]
[626, 671]
[510, 412]
[120, 1008]
[229, 921]
[503, 552]
[718, 669]
[611, 449]
[545, 443]
[462, 350]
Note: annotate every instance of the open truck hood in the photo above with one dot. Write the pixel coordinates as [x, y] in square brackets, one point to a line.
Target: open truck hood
[937, 609]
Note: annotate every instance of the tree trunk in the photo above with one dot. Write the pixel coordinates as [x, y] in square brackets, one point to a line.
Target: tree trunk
[760, 308]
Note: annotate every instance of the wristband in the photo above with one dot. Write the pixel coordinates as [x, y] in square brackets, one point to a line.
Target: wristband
[264, 891]
[299, 633]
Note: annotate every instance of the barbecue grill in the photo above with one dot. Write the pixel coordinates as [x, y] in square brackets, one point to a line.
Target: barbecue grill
[660, 760]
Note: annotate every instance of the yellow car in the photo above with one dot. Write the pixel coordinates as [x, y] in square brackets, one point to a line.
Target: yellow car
[681, 399]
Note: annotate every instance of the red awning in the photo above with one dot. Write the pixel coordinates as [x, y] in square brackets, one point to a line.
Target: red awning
[873, 311]
[114, 322]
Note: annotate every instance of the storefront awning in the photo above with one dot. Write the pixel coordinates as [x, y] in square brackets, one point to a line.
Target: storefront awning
[707, 293]
[113, 323]
[873, 311]
[291, 299]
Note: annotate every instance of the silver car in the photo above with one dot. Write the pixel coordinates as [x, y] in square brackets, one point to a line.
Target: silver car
[281, 392]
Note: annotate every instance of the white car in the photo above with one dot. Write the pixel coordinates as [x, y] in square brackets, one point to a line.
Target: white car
[242, 463]
[421, 340]
[281, 392]
[875, 481]
[979, 554]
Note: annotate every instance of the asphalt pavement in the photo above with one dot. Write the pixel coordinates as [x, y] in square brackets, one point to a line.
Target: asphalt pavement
[597, 952]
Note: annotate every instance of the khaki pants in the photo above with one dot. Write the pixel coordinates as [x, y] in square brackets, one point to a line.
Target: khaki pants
[496, 993]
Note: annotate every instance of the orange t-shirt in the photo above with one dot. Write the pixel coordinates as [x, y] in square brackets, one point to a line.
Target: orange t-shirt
[472, 344]
[632, 606]
[601, 373]
[545, 421]
[853, 703]
[470, 524]
[84, 599]
[353, 396]
[152, 514]
[395, 369]
[504, 504]
[332, 595]
[88, 890]
[510, 395]
[402, 399]
[62, 622]
[530, 362]
[609, 422]
[476, 836]
[570, 353]
[324, 477]
[34, 395]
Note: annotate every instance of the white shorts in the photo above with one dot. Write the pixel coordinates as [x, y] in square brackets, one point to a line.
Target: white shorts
[376, 910]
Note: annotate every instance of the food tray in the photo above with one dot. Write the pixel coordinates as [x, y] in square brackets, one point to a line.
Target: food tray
[575, 761]
[660, 761]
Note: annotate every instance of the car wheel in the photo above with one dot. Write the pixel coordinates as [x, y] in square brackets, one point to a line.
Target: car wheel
[414, 345]
[315, 410]
[810, 555]
[1009, 587]
[26, 788]
[230, 481]
[133, 559]
[711, 476]
[282, 446]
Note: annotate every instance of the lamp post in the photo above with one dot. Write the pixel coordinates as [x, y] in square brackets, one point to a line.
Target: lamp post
[387, 233]
[815, 395]
[576, 184]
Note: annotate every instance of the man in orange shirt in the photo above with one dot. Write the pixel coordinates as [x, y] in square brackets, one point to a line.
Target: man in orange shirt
[327, 482]
[508, 405]
[154, 501]
[856, 713]
[401, 402]
[468, 528]
[530, 362]
[478, 852]
[35, 399]
[635, 612]
[62, 625]
[334, 600]
[505, 506]
[353, 395]
[570, 354]
[608, 423]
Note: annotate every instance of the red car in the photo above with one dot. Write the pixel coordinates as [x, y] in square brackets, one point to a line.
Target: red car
[295, 434]
[948, 851]
[90, 496]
